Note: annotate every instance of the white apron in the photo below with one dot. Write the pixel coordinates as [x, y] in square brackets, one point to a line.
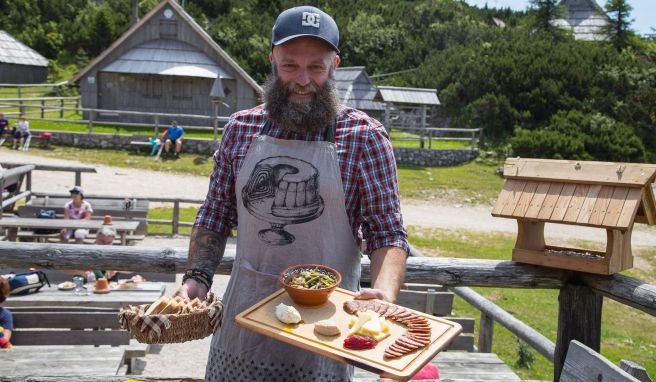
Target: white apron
[291, 210]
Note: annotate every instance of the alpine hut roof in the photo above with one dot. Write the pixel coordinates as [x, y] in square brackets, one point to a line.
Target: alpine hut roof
[167, 57]
[413, 96]
[355, 89]
[585, 18]
[13, 51]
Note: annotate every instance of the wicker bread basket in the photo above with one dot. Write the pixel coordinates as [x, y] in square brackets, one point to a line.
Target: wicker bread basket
[172, 328]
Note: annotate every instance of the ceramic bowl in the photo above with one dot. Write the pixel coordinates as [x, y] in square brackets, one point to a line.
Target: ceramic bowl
[309, 297]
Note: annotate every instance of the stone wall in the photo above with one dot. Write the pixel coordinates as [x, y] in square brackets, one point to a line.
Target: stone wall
[115, 141]
[425, 157]
[419, 157]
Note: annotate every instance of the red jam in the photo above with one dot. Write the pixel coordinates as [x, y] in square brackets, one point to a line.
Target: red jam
[356, 342]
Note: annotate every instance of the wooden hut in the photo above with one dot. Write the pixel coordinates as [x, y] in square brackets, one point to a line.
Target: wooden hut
[585, 18]
[165, 63]
[407, 108]
[356, 90]
[610, 196]
[20, 64]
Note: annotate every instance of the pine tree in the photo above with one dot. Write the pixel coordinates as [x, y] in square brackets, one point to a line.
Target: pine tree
[618, 28]
[547, 11]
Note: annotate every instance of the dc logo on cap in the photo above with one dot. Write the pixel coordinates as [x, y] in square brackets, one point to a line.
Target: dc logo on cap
[310, 19]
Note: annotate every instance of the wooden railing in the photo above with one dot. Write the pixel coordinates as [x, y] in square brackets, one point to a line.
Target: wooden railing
[45, 104]
[159, 119]
[431, 134]
[579, 315]
[78, 170]
[22, 90]
[14, 175]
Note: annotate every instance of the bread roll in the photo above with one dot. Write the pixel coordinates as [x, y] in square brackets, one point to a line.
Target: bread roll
[157, 306]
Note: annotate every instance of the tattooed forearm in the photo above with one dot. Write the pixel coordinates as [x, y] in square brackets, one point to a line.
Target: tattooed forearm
[205, 249]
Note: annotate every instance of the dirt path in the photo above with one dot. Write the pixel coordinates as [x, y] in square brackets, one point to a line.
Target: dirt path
[128, 182]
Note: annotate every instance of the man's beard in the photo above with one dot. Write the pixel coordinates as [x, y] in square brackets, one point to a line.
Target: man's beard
[301, 117]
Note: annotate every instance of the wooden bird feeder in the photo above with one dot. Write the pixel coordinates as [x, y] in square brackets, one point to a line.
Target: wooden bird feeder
[605, 195]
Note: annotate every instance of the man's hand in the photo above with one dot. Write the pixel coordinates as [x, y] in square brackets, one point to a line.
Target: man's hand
[387, 274]
[192, 289]
[369, 293]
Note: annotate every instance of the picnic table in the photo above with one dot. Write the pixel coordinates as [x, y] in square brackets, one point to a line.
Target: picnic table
[145, 293]
[60, 361]
[123, 228]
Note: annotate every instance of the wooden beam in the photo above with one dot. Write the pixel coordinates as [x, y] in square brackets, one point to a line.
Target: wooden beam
[427, 270]
[19, 169]
[579, 318]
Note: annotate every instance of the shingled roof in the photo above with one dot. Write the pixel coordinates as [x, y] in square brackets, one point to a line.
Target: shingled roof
[585, 18]
[597, 194]
[355, 89]
[13, 51]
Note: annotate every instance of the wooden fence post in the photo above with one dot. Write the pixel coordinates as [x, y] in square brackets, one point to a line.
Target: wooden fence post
[43, 108]
[61, 108]
[28, 185]
[77, 106]
[90, 121]
[485, 334]
[78, 178]
[176, 217]
[579, 318]
[157, 126]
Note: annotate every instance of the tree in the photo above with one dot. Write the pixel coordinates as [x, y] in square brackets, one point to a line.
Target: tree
[547, 11]
[618, 28]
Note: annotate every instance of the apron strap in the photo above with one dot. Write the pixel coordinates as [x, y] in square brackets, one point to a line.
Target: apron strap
[329, 135]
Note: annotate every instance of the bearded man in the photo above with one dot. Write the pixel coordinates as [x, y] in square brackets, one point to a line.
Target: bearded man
[306, 179]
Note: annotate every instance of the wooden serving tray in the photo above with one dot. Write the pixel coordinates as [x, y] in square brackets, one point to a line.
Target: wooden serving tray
[261, 318]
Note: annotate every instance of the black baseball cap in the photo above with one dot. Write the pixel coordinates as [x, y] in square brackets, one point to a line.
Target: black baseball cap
[76, 190]
[305, 21]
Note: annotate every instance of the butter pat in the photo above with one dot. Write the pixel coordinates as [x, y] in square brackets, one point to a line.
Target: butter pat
[287, 314]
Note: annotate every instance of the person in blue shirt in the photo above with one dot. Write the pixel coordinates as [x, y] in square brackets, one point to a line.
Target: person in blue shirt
[6, 319]
[173, 137]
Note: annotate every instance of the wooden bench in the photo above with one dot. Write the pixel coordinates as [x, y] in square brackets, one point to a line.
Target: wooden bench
[436, 300]
[36, 326]
[141, 141]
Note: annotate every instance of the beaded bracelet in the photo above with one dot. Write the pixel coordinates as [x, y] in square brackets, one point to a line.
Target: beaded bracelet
[199, 275]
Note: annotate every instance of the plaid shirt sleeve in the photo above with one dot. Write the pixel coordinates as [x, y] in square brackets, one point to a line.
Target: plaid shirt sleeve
[219, 211]
[382, 224]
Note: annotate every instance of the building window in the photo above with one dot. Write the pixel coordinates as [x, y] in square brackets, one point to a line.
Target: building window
[150, 87]
[168, 29]
[182, 89]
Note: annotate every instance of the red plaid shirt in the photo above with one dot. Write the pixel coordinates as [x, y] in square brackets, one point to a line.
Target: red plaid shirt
[367, 164]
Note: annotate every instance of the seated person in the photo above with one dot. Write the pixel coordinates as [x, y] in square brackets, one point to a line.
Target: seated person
[77, 208]
[6, 319]
[20, 132]
[4, 123]
[173, 136]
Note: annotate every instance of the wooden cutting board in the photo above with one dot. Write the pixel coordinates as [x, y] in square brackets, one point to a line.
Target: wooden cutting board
[261, 318]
